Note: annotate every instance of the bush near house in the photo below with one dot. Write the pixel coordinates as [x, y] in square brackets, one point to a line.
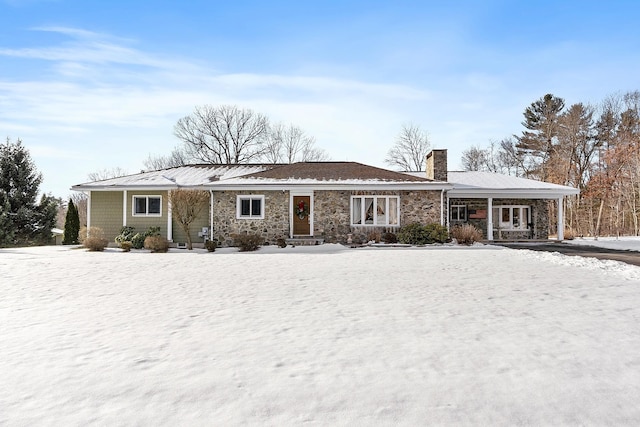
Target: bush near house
[93, 239]
[466, 234]
[247, 242]
[156, 244]
[389, 238]
[418, 234]
[128, 234]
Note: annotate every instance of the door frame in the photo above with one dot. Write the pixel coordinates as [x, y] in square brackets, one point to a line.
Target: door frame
[293, 194]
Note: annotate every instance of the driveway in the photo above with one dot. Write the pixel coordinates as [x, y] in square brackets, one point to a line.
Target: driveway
[629, 257]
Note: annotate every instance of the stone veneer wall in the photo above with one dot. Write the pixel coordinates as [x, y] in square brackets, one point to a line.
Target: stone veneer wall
[332, 213]
[539, 212]
[275, 224]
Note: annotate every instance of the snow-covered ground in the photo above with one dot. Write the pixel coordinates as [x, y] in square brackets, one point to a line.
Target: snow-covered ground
[317, 336]
[631, 243]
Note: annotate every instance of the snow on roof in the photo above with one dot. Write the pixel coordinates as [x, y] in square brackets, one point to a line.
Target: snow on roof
[303, 173]
[182, 176]
[480, 182]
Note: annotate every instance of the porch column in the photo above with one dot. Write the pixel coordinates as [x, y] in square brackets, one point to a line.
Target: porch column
[89, 212]
[169, 217]
[210, 214]
[560, 220]
[124, 208]
[490, 218]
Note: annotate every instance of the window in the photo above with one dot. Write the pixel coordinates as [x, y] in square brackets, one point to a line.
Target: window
[250, 207]
[375, 210]
[513, 217]
[147, 205]
[458, 213]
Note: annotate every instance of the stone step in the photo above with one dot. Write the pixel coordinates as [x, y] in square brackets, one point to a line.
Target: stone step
[304, 241]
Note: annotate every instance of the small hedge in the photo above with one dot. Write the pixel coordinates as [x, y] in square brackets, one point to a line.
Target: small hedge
[247, 242]
[93, 239]
[466, 234]
[418, 234]
[156, 244]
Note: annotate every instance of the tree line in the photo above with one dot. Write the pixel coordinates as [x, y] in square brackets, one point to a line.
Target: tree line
[595, 148]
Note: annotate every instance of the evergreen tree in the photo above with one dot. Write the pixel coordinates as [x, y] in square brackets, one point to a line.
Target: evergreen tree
[537, 143]
[71, 225]
[22, 220]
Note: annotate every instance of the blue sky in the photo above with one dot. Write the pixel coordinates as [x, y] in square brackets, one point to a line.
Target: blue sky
[91, 85]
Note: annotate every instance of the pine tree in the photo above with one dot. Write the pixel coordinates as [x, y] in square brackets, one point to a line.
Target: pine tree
[537, 143]
[22, 220]
[71, 225]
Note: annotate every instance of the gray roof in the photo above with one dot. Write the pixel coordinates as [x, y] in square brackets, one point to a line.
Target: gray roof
[488, 184]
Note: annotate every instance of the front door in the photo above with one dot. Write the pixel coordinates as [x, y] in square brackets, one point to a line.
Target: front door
[301, 215]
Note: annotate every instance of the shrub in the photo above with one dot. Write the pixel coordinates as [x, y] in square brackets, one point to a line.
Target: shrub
[569, 234]
[137, 241]
[126, 246]
[156, 244]
[389, 238]
[211, 245]
[374, 236]
[413, 234]
[126, 235]
[93, 239]
[436, 233]
[466, 234]
[281, 243]
[418, 234]
[247, 242]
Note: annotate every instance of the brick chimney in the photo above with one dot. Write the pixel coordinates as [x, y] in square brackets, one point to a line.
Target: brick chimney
[437, 165]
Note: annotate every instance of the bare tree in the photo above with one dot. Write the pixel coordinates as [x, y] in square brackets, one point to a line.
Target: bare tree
[290, 144]
[186, 205]
[410, 149]
[474, 159]
[81, 202]
[177, 157]
[223, 135]
[103, 174]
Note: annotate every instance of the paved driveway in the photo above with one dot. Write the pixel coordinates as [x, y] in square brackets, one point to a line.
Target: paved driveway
[629, 257]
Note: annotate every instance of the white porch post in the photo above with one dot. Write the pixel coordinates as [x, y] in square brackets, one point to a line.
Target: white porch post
[124, 208]
[169, 217]
[88, 213]
[490, 218]
[560, 220]
[210, 214]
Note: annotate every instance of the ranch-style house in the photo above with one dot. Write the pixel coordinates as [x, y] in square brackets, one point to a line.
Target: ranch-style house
[325, 201]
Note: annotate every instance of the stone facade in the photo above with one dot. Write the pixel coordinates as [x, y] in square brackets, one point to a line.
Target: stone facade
[274, 226]
[437, 165]
[331, 215]
[539, 218]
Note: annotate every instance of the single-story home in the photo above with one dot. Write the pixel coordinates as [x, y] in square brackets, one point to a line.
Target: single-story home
[326, 201]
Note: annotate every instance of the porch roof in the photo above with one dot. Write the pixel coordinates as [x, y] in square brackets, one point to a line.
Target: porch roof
[480, 184]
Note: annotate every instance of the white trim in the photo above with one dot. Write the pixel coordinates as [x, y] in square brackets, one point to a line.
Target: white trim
[508, 225]
[560, 219]
[240, 197]
[169, 219]
[465, 210]
[124, 208]
[88, 213]
[210, 214]
[293, 194]
[489, 218]
[140, 196]
[374, 219]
